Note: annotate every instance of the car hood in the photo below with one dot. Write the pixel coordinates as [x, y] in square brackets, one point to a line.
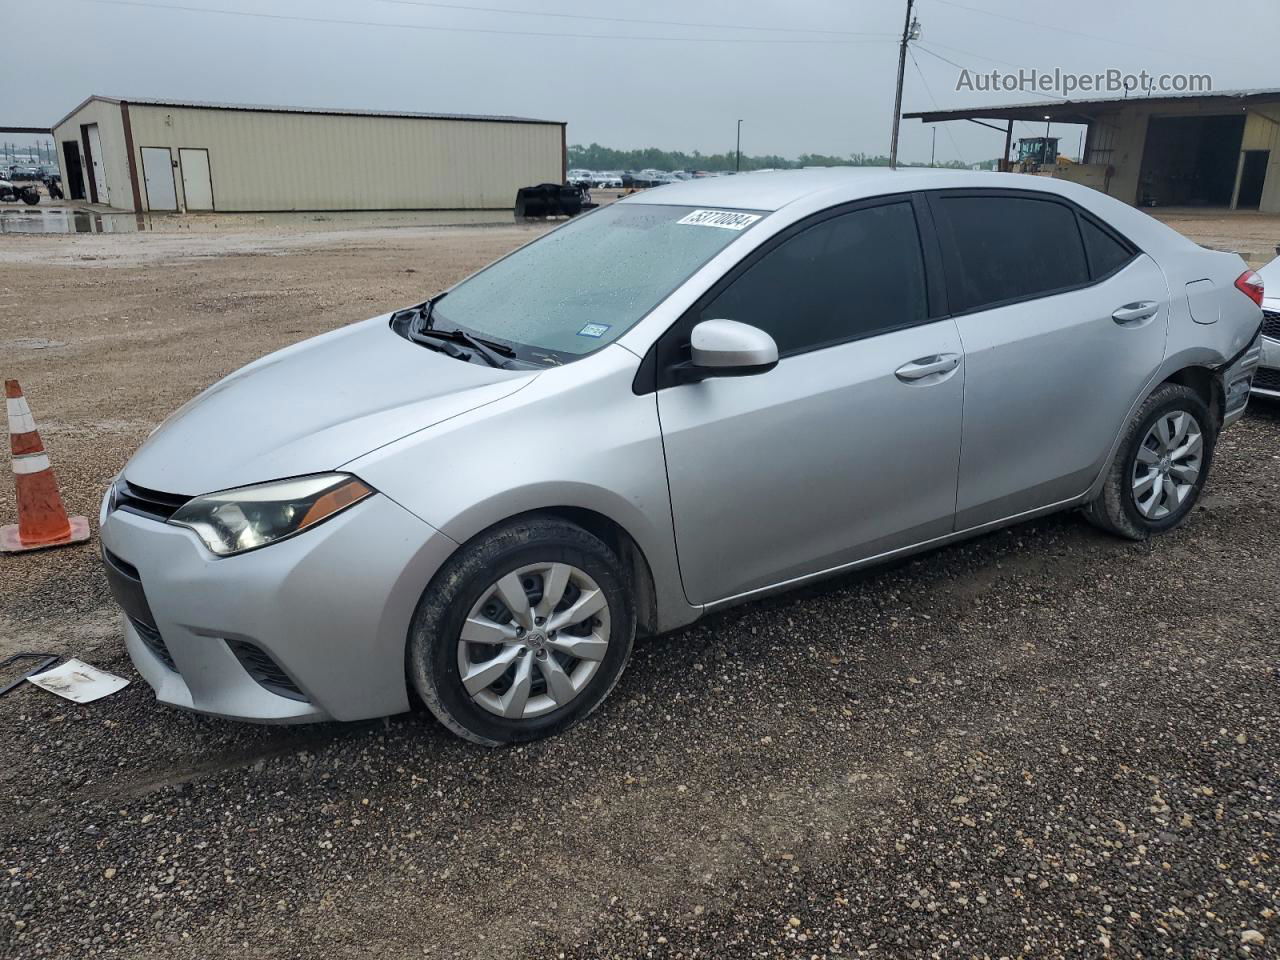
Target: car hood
[313, 407]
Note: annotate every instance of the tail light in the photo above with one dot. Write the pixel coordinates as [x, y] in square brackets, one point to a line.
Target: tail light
[1250, 284]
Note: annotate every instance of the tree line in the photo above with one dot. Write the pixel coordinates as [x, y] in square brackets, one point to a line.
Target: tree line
[596, 157]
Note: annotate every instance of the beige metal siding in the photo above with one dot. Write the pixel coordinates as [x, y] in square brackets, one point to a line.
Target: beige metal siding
[1262, 132]
[1119, 136]
[1116, 140]
[261, 160]
[115, 159]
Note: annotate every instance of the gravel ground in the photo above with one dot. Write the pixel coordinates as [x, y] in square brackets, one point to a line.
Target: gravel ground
[1045, 742]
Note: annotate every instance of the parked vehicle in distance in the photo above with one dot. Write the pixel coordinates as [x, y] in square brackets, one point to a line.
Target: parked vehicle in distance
[690, 398]
[26, 192]
[1266, 382]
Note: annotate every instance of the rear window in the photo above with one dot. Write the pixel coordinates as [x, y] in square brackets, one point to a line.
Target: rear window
[1008, 248]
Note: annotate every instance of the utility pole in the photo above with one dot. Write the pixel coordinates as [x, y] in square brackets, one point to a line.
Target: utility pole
[897, 98]
[933, 150]
[737, 163]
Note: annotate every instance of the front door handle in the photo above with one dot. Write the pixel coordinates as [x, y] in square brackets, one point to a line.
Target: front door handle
[924, 367]
[1134, 312]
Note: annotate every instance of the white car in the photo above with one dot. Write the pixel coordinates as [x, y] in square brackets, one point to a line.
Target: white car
[1266, 382]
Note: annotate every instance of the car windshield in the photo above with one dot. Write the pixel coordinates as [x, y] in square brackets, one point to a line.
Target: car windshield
[585, 284]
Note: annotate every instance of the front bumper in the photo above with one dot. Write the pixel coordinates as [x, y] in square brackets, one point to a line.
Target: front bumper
[1266, 382]
[310, 628]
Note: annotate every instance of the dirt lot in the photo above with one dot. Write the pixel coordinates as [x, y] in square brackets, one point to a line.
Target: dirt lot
[1042, 743]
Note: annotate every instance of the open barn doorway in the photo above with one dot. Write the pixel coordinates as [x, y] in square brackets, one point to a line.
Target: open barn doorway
[71, 166]
[1190, 161]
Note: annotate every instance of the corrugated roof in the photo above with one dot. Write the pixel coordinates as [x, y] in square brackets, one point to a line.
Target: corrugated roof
[321, 111]
[1076, 111]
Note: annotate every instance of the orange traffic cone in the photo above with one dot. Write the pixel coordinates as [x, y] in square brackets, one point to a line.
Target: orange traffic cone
[42, 519]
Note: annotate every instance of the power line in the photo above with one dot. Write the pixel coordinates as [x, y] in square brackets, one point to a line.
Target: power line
[1065, 30]
[958, 66]
[929, 92]
[183, 8]
[636, 20]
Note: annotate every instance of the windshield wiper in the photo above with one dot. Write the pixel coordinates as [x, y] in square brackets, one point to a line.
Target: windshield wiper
[493, 354]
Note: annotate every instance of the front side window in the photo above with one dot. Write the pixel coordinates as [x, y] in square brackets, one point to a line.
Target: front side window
[587, 283]
[1007, 248]
[850, 276]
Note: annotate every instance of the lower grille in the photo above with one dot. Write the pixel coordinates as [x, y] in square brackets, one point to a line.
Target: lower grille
[269, 674]
[1271, 324]
[1266, 378]
[150, 636]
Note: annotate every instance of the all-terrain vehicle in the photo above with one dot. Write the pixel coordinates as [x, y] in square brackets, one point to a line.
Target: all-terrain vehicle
[28, 193]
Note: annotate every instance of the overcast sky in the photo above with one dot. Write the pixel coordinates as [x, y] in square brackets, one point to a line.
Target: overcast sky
[811, 76]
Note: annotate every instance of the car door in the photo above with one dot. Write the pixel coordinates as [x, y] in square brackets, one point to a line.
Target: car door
[1063, 323]
[849, 447]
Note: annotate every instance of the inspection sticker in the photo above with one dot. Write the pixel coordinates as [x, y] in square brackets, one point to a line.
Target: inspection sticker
[594, 330]
[725, 219]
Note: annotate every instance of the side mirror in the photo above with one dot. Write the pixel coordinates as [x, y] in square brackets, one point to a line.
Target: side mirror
[727, 348]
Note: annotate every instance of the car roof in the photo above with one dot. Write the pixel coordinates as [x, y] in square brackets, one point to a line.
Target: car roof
[774, 189]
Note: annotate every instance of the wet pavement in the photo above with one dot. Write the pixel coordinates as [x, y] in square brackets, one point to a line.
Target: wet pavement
[66, 218]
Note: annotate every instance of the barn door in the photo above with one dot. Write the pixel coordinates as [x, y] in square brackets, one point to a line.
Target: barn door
[197, 187]
[157, 174]
[99, 167]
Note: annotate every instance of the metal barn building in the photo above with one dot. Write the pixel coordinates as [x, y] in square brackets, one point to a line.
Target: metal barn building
[162, 156]
[1217, 149]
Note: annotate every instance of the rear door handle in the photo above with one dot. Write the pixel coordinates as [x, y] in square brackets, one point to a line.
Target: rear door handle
[1133, 312]
[927, 367]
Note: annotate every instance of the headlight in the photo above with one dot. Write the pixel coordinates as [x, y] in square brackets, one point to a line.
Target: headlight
[234, 521]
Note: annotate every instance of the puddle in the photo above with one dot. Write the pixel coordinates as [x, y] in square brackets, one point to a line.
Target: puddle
[59, 219]
[63, 220]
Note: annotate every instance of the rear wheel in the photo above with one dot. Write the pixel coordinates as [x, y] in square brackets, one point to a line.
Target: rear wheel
[523, 632]
[31, 196]
[1160, 467]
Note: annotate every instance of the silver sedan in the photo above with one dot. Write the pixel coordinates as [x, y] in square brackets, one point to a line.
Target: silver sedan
[691, 398]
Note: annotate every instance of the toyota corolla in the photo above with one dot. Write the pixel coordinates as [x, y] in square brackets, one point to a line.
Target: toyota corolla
[693, 397]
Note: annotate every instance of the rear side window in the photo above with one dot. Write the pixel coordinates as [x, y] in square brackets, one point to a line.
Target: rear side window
[851, 276]
[1106, 253]
[1008, 248]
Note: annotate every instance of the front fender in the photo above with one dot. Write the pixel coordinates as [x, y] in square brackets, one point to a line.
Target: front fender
[577, 436]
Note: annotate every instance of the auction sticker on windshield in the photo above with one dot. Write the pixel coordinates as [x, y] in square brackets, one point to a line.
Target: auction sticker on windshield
[725, 219]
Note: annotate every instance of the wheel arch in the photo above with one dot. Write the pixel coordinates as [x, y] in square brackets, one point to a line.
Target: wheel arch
[1194, 374]
[620, 541]
[653, 596]
[1204, 381]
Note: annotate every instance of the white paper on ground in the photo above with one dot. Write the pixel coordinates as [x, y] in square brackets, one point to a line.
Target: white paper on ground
[78, 681]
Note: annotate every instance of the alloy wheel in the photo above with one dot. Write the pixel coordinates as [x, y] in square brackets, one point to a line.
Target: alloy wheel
[1168, 464]
[533, 640]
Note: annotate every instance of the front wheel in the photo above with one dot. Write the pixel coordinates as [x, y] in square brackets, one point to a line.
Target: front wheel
[1161, 466]
[30, 196]
[523, 632]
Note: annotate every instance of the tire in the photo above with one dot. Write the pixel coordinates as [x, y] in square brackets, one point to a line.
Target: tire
[1124, 511]
[466, 592]
[30, 197]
